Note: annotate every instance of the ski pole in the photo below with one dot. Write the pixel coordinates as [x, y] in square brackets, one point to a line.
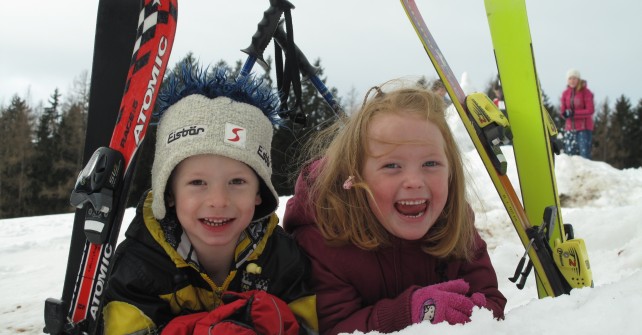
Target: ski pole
[520, 266]
[263, 35]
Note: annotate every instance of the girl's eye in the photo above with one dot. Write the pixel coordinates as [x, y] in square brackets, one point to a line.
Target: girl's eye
[430, 163]
[237, 181]
[390, 166]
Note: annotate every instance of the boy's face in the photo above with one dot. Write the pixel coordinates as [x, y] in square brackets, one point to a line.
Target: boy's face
[215, 198]
[407, 172]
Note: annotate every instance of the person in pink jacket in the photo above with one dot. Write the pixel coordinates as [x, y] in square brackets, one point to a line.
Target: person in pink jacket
[382, 214]
[577, 109]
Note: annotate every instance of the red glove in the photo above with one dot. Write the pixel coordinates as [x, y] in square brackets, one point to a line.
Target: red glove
[445, 302]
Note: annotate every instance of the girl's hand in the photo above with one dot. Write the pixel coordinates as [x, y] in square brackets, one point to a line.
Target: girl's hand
[445, 302]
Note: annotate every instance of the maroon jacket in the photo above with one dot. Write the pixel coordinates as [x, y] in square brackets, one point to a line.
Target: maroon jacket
[581, 102]
[371, 290]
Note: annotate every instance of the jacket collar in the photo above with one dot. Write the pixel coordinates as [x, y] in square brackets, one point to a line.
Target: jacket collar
[249, 247]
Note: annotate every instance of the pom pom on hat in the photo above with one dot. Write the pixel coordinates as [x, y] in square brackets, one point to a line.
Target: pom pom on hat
[203, 113]
[573, 73]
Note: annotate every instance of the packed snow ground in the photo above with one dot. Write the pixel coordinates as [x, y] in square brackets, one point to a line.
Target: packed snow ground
[603, 204]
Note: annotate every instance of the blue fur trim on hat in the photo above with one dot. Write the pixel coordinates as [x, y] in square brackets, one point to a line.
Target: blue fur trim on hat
[192, 79]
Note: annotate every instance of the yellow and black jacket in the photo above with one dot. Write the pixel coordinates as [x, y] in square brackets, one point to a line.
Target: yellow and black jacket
[156, 277]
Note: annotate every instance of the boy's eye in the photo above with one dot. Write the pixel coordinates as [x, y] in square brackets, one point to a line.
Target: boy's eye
[237, 181]
[390, 166]
[197, 182]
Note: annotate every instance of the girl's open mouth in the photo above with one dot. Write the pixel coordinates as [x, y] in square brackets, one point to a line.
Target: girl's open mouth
[412, 208]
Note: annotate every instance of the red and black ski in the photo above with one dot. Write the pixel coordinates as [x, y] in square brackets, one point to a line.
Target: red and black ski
[101, 188]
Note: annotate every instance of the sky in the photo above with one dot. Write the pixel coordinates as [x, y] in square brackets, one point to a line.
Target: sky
[604, 206]
[360, 44]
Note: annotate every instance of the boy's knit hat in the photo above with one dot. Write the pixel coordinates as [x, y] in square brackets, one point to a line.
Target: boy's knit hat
[573, 73]
[220, 116]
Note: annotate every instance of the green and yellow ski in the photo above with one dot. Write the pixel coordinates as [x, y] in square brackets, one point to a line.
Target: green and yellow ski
[530, 123]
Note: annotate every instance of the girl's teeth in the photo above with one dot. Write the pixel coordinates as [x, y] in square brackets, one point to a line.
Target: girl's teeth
[413, 202]
[416, 216]
[412, 208]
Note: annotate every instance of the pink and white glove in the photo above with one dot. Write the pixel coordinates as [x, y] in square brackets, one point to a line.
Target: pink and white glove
[445, 302]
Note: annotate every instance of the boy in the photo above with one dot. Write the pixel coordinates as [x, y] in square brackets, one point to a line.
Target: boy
[208, 224]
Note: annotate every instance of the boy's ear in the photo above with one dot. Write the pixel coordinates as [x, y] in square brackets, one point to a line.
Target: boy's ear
[258, 199]
[169, 199]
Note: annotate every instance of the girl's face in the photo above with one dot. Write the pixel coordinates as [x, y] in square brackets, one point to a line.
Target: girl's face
[409, 181]
[215, 198]
[573, 81]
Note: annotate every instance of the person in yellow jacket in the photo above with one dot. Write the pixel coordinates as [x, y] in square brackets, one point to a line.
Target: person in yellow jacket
[208, 225]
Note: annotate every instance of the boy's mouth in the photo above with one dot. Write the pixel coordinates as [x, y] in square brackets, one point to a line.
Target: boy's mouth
[215, 222]
[412, 208]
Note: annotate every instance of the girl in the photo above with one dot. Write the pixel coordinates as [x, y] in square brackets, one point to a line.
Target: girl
[384, 219]
[577, 108]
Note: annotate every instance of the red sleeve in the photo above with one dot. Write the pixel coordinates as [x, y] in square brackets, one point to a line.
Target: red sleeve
[481, 276]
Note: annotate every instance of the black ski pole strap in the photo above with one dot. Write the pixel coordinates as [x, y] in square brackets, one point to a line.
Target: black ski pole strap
[288, 75]
[308, 72]
[281, 39]
[280, 78]
[291, 62]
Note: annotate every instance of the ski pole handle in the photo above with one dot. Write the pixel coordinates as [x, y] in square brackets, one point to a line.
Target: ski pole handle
[263, 35]
[307, 70]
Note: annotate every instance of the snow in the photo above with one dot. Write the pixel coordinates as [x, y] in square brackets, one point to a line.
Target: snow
[603, 204]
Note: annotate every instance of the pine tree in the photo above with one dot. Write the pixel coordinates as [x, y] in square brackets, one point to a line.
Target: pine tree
[352, 101]
[636, 137]
[47, 146]
[552, 111]
[631, 133]
[620, 124]
[603, 144]
[15, 153]
[68, 161]
[79, 93]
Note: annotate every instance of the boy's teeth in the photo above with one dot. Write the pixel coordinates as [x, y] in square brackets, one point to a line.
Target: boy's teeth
[215, 223]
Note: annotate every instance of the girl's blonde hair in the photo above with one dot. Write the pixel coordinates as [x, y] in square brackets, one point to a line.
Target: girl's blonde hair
[344, 216]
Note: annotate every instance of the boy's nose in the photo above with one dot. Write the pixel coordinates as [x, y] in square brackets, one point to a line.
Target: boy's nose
[217, 197]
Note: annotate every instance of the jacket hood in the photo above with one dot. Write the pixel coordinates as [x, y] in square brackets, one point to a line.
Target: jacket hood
[299, 207]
